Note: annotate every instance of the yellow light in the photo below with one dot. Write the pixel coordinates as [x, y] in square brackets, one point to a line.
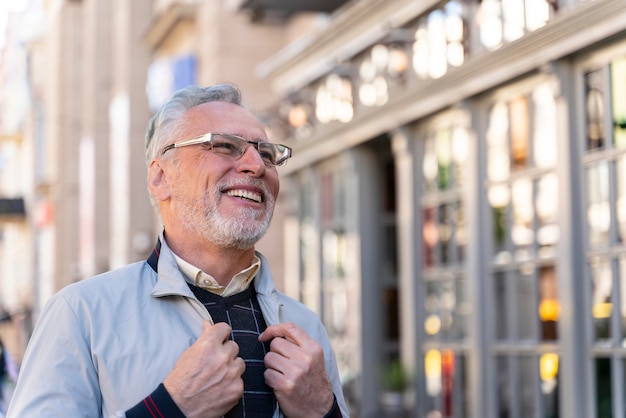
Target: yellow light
[297, 116]
[432, 324]
[549, 310]
[432, 363]
[548, 366]
[432, 370]
[398, 62]
[602, 310]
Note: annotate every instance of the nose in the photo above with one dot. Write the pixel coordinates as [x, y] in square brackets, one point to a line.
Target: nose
[251, 162]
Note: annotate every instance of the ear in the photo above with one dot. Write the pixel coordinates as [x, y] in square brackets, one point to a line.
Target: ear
[158, 183]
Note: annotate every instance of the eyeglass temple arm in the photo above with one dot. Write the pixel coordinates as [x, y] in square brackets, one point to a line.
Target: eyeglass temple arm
[192, 141]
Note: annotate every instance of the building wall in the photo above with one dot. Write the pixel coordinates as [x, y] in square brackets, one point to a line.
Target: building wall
[132, 217]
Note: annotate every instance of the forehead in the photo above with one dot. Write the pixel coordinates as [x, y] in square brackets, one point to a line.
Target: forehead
[223, 117]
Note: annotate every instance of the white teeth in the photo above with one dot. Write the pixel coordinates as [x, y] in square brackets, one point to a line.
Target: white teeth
[245, 194]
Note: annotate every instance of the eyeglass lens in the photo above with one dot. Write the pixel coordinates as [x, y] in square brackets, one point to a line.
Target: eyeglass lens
[272, 154]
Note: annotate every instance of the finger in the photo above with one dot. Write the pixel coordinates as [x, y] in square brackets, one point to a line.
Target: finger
[219, 332]
[273, 378]
[285, 348]
[232, 349]
[289, 331]
[240, 365]
[276, 361]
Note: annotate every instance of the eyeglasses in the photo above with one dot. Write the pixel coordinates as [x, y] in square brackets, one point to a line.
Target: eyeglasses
[234, 146]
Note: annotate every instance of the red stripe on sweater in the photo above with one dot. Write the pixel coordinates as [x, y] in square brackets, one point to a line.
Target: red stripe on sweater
[156, 408]
[145, 402]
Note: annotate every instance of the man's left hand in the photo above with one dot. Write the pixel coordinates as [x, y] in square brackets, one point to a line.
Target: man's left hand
[296, 371]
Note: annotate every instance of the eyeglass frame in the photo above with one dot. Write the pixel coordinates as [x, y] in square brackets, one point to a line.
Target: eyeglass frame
[202, 139]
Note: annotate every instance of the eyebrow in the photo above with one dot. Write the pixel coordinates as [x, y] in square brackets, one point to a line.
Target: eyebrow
[257, 139]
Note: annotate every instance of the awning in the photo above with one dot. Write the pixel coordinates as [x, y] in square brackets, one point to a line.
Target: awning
[12, 207]
[288, 7]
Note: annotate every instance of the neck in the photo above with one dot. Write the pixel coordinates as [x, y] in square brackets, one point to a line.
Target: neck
[219, 262]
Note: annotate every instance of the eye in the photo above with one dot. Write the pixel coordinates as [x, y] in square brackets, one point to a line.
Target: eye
[266, 156]
[226, 145]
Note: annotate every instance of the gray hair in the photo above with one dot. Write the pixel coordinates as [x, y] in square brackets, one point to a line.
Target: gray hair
[164, 124]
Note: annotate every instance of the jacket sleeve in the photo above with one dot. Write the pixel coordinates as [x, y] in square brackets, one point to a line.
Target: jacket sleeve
[333, 374]
[58, 377]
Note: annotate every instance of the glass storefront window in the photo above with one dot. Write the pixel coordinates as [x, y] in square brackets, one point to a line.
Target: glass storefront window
[622, 290]
[546, 207]
[549, 373]
[601, 301]
[498, 198]
[620, 203]
[537, 13]
[440, 41]
[456, 307]
[446, 310]
[443, 149]
[502, 380]
[334, 100]
[520, 135]
[513, 18]
[523, 210]
[445, 154]
[443, 235]
[523, 192]
[309, 269]
[598, 204]
[500, 295]
[618, 101]
[526, 304]
[444, 240]
[489, 19]
[517, 380]
[549, 307]
[446, 384]
[595, 109]
[544, 132]
[461, 311]
[380, 70]
[498, 162]
[309, 244]
[596, 85]
[502, 21]
[527, 386]
[522, 228]
[446, 228]
[604, 163]
[335, 252]
[432, 322]
[430, 236]
[603, 388]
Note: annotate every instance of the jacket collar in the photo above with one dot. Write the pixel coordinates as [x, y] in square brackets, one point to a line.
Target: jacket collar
[170, 280]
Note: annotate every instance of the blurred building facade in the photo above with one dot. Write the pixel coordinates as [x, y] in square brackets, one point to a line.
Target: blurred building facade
[456, 199]
[458, 184]
[79, 80]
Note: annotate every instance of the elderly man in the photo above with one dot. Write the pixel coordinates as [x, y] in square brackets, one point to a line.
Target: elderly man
[197, 330]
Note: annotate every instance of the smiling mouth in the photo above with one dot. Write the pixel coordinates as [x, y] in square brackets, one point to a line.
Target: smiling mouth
[245, 194]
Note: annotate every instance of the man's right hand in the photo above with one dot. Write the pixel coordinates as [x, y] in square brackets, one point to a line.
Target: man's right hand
[206, 380]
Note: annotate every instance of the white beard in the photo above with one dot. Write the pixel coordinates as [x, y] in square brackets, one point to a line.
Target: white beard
[240, 230]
